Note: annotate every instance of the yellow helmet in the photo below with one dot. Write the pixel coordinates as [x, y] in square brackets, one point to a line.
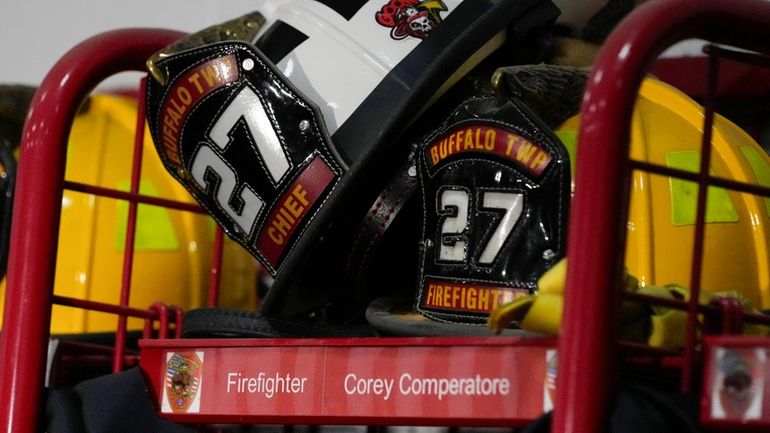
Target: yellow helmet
[172, 248]
[666, 129]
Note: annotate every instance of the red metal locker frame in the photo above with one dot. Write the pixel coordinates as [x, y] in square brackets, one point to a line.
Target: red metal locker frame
[32, 260]
[587, 352]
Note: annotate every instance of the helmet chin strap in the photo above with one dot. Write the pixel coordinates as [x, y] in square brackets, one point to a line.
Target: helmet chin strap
[391, 200]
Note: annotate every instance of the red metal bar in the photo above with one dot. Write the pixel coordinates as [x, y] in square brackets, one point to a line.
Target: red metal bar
[85, 347]
[139, 198]
[105, 308]
[683, 305]
[688, 374]
[731, 312]
[634, 348]
[128, 251]
[37, 206]
[166, 315]
[147, 329]
[732, 184]
[178, 322]
[587, 349]
[216, 266]
[163, 322]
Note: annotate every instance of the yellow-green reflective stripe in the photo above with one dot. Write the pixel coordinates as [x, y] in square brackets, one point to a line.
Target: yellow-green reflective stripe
[154, 229]
[684, 194]
[760, 168]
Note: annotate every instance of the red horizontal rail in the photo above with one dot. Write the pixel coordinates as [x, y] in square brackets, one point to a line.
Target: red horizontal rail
[77, 353]
[684, 305]
[348, 341]
[132, 197]
[86, 347]
[105, 308]
[85, 360]
[696, 177]
[635, 348]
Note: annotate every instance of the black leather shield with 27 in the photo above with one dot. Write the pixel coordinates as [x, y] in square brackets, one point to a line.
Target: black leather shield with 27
[248, 146]
[496, 186]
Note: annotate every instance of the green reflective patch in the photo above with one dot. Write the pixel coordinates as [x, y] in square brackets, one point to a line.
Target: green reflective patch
[569, 139]
[760, 168]
[154, 229]
[684, 194]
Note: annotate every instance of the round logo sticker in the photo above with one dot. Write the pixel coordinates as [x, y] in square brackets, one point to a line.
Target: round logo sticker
[183, 379]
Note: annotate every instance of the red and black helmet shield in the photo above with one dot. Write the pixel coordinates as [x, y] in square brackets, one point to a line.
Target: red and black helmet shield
[246, 145]
[495, 183]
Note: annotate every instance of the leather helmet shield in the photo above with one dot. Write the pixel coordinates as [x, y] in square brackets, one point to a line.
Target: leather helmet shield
[366, 148]
[247, 145]
[495, 187]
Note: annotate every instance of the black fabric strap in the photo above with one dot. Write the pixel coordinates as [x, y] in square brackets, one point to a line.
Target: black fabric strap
[383, 212]
[223, 323]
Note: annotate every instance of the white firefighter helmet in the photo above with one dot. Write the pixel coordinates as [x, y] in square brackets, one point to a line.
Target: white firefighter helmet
[285, 123]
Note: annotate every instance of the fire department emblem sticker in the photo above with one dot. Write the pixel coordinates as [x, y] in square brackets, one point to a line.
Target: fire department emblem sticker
[413, 18]
[182, 382]
[738, 383]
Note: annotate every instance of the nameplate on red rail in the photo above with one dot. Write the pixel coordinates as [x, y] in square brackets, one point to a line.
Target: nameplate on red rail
[480, 384]
[736, 390]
